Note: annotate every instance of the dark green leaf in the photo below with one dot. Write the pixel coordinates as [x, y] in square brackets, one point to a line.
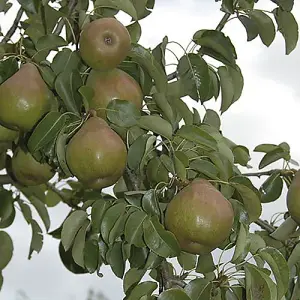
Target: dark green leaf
[183, 110]
[26, 211]
[199, 289]
[132, 278]
[294, 256]
[227, 6]
[160, 241]
[6, 249]
[163, 104]
[250, 26]
[150, 204]
[65, 60]
[142, 290]
[71, 226]
[115, 259]
[174, 294]
[8, 67]
[37, 238]
[49, 42]
[271, 189]
[99, 208]
[31, 6]
[273, 156]
[187, 261]
[91, 255]
[42, 210]
[52, 198]
[242, 245]
[60, 150]
[227, 88]
[205, 264]
[122, 113]
[159, 52]
[286, 5]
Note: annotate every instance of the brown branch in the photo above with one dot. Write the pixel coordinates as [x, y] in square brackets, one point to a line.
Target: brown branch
[265, 225]
[219, 27]
[14, 26]
[283, 172]
[71, 6]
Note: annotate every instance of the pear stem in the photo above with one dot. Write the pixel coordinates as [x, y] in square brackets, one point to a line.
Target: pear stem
[14, 27]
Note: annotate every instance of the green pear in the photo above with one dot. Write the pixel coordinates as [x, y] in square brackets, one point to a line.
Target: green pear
[27, 171]
[200, 217]
[96, 154]
[114, 84]
[24, 99]
[293, 198]
[104, 43]
[7, 135]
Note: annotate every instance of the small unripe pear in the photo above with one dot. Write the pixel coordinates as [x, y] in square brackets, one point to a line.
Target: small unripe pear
[96, 154]
[104, 43]
[24, 99]
[29, 172]
[293, 198]
[200, 217]
[114, 84]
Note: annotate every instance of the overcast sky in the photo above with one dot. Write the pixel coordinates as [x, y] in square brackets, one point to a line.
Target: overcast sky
[268, 112]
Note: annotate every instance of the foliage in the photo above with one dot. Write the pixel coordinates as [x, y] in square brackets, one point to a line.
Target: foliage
[168, 146]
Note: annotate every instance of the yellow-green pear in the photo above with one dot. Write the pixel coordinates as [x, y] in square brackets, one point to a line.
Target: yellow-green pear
[104, 43]
[28, 171]
[200, 217]
[114, 84]
[293, 198]
[24, 99]
[96, 154]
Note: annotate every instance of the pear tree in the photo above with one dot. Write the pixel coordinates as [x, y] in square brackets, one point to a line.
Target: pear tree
[92, 119]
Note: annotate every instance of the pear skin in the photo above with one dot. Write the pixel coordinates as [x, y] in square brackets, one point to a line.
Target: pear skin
[24, 99]
[104, 43]
[114, 84]
[200, 217]
[27, 171]
[96, 154]
[293, 198]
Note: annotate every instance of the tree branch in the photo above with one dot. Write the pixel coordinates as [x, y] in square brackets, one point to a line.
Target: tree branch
[14, 26]
[71, 6]
[219, 27]
[282, 172]
[265, 225]
[6, 179]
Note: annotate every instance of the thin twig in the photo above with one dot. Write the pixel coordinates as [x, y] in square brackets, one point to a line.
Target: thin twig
[283, 172]
[71, 6]
[265, 225]
[14, 26]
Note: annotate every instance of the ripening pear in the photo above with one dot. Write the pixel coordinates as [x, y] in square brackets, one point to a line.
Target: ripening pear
[24, 99]
[28, 171]
[104, 43]
[200, 217]
[96, 154]
[114, 84]
[293, 198]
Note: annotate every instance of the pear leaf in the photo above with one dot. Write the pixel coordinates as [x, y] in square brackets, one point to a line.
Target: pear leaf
[6, 249]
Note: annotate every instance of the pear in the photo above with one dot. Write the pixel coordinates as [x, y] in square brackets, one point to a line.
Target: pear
[27, 171]
[24, 99]
[200, 217]
[293, 198]
[96, 154]
[7, 135]
[114, 84]
[104, 43]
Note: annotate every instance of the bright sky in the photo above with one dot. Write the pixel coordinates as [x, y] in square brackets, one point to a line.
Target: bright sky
[268, 112]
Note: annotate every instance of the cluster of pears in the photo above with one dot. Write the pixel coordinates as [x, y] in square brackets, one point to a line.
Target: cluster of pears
[200, 217]
[24, 100]
[96, 155]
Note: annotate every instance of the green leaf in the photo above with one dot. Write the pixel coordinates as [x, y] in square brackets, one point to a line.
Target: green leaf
[79, 242]
[279, 267]
[217, 42]
[212, 118]
[193, 72]
[124, 5]
[205, 167]
[227, 88]
[187, 261]
[87, 94]
[250, 200]
[134, 228]
[6, 205]
[159, 52]
[6, 249]
[142, 290]
[242, 245]
[122, 113]
[150, 204]
[259, 286]
[288, 27]
[241, 155]
[174, 294]
[132, 278]
[42, 210]
[286, 5]
[265, 148]
[91, 255]
[156, 172]
[31, 6]
[135, 31]
[237, 80]
[197, 135]
[49, 42]
[250, 26]
[205, 264]
[46, 131]
[160, 241]
[294, 256]
[47, 74]
[163, 104]
[183, 110]
[227, 6]
[99, 208]
[271, 188]
[65, 61]
[52, 198]
[156, 124]
[112, 222]
[67, 85]
[272, 157]
[26, 211]
[60, 150]
[144, 58]
[4, 7]
[37, 238]
[115, 259]
[71, 226]
[265, 26]
[8, 67]
[199, 289]
[285, 230]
